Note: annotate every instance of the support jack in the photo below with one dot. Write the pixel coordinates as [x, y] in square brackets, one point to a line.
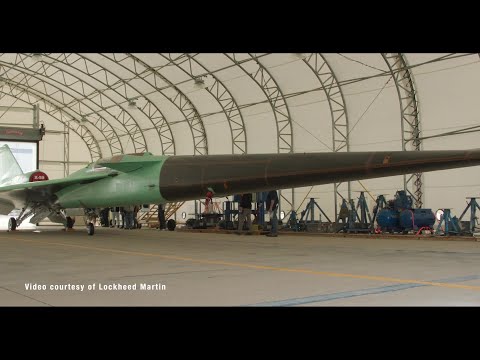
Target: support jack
[451, 224]
[310, 210]
[473, 206]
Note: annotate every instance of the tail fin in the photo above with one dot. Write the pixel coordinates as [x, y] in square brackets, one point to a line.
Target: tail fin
[9, 167]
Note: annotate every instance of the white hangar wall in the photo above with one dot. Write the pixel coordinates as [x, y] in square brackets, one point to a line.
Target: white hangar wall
[258, 84]
[448, 96]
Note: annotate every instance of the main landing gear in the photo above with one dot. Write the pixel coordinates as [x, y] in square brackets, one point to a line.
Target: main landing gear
[13, 223]
[90, 216]
[171, 224]
[69, 223]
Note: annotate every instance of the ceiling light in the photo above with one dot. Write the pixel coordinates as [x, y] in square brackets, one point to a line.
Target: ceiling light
[132, 104]
[36, 57]
[199, 83]
[300, 56]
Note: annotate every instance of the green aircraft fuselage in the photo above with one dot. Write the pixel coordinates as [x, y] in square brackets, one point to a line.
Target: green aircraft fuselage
[139, 186]
[147, 179]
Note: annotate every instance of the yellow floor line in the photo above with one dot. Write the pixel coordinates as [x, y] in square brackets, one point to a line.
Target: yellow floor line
[262, 267]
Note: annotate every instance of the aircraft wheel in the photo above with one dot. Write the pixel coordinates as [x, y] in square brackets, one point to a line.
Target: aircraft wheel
[90, 229]
[190, 223]
[69, 222]
[12, 224]
[171, 224]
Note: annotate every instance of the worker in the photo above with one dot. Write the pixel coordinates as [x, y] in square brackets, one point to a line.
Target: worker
[271, 205]
[115, 216]
[136, 209]
[122, 217]
[343, 215]
[245, 211]
[161, 217]
[128, 217]
[104, 217]
[208, 202]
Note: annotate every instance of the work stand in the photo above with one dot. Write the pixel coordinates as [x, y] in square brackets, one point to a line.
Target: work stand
[473, 206]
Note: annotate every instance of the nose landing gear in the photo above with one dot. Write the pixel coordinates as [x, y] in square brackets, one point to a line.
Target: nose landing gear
[12, 224]
[90, 229]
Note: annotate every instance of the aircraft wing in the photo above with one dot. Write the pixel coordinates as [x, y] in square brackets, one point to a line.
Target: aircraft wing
[18, 195]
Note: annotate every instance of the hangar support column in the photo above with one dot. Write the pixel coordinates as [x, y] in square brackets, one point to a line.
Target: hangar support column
[410, 117]
[340, 126]
[265, 81]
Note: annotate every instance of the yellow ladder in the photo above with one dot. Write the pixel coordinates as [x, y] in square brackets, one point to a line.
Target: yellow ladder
[151, 216]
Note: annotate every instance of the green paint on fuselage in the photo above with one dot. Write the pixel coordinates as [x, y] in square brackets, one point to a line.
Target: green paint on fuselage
[139, 184]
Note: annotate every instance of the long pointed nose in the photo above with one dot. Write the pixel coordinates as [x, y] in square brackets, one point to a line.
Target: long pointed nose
[189, 177]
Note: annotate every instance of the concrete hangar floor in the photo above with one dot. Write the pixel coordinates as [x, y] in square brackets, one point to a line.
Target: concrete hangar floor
[147, 267]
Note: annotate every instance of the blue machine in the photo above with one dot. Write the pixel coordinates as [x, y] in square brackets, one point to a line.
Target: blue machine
[416, 218]
[399, 216]
[388, 220]
[402, 201]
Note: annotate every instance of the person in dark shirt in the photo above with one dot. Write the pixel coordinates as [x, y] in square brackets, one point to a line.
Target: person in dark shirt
[343, 215]
[161, 217]
[245, 211]
[104, 217]
[271, 205]
[128, 217]
[136, 209]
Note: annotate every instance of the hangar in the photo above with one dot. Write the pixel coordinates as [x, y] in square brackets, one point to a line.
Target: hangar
[404, 240]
